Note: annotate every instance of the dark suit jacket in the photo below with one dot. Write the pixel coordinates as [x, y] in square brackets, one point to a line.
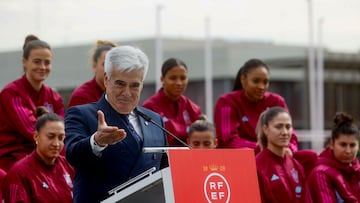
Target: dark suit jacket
[95, 176]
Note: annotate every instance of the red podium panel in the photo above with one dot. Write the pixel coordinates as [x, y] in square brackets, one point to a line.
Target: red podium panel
[214, 176]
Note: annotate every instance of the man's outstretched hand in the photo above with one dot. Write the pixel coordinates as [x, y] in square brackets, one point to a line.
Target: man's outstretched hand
[107, 134]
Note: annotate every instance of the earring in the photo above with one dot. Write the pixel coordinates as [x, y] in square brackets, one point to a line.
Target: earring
[36, 142]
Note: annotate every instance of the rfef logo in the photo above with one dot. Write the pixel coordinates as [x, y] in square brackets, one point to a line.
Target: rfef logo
[210, 175]
[216, 188]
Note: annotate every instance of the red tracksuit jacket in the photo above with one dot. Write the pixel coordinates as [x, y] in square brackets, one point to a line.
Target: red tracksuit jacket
[331, 181]
[31, 180]
[88, 92]
[176, 121]
[18, 101]
[236, 118]
[281, 180]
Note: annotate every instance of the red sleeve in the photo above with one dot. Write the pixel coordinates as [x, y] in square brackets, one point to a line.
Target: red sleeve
[14, 189]
[19, 112]
[321, 187]
[77, 100]
[149, 105]
[227, 124]
[265, 189]
[193, 109]
[59, 105]
[79, 96]
[305, 193]
[293, 145]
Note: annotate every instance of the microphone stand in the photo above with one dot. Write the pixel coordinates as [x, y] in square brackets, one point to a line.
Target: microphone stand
[148, 119]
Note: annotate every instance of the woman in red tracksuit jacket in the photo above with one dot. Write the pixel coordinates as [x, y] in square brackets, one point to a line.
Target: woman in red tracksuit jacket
[20, 99]
[336, 176]
[281, 178]
[44, 175]
[92, 90]
[237, 112]
[177, 111]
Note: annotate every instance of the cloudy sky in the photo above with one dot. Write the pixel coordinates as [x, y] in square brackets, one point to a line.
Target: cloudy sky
[68, 22]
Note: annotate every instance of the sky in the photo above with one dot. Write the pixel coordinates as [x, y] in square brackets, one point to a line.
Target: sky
[285, 22]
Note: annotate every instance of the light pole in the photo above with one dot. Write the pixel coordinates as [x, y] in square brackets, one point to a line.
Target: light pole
[208, 70]
[158, 48]
[320, 77]
[320, 87]
[311, 69]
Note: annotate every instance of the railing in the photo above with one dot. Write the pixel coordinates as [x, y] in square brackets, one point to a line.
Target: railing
[312, 139]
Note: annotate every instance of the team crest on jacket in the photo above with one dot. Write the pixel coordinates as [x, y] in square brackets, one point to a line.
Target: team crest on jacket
[49, 107]
[186, 117]
[45, 185]
[295, 175]
[274, 177]
[298, 190]
[165, 119]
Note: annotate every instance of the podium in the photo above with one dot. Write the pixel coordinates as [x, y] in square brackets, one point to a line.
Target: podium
[196, 175]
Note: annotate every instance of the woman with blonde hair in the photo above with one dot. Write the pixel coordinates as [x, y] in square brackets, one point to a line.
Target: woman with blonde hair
[92, 90]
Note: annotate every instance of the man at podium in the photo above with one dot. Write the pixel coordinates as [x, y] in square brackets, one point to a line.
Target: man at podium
[104, 140]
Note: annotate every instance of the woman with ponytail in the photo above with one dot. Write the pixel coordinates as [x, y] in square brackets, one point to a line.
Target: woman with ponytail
[20, 99]
[281, 177]
[92, 90]
[44, 175]
[237, 112]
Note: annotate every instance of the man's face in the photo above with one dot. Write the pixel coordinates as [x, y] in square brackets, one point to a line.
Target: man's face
[123, 89]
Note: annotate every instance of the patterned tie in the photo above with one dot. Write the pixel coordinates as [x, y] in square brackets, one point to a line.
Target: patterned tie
[133, 132]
